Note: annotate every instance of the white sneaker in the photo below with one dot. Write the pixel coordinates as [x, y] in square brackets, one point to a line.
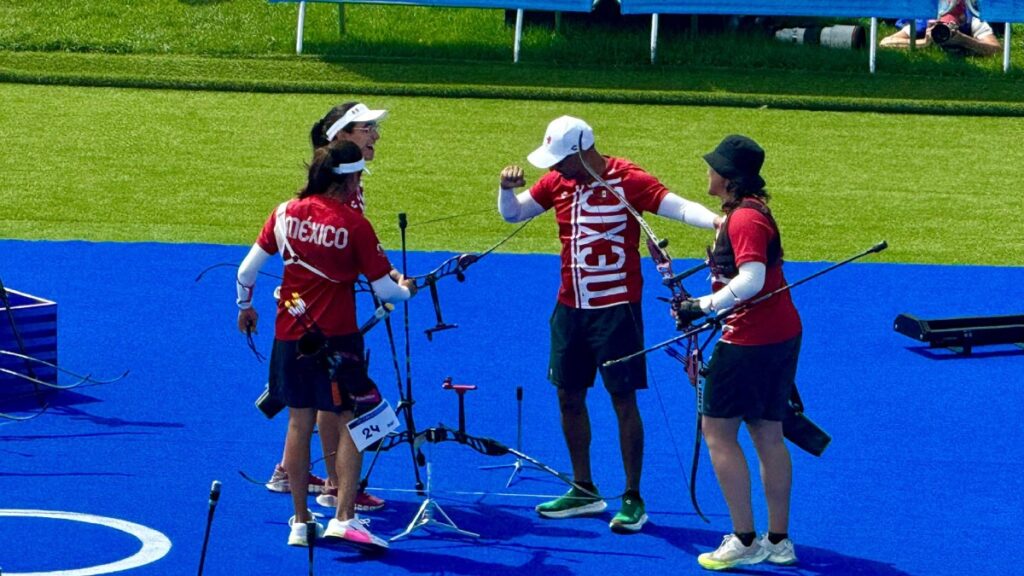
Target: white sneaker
[355, 533]
[731, 552]
[297, 536]
[781, 553]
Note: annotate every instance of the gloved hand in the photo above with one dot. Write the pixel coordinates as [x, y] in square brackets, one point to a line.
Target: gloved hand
[686, 312]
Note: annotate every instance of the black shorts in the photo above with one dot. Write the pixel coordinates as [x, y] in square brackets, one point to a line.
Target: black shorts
[750, 382]
[582, 339]
[304, 382]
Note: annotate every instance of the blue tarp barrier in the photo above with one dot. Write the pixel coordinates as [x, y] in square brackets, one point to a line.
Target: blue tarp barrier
[1002, 10]
[545, 5]
[819, 8]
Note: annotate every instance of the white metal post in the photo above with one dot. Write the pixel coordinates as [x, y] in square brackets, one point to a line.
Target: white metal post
[298, 28]
[519, 36]
[1006, 48]
[872, 50]
[654, 37]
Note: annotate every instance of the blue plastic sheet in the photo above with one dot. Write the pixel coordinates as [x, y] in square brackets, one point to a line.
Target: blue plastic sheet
[539, 5]
[1002, 10]
[819, 8]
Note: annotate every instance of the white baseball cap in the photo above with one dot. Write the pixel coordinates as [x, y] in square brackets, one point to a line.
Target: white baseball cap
[564, 137]
[357, 113]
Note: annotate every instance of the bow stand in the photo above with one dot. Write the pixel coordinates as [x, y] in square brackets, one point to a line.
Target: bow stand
[454, 266]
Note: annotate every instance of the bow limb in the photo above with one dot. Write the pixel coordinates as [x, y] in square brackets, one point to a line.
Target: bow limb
[6, 416]
[694, 365]
[560, 475]
[204, 271]
[491, 447]
[457, 265]
[83, 378]
[693, 468]
[43, 382]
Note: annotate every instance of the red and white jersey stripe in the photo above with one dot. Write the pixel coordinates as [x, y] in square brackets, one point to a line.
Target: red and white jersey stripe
[600, 240]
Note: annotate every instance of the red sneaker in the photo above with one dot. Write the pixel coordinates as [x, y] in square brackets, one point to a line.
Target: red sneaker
[366, 502]
[279, 482]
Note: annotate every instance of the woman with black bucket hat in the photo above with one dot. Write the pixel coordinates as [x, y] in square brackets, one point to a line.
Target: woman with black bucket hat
[753, 367]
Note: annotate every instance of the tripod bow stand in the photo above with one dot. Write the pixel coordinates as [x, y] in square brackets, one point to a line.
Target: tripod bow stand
[425, 516]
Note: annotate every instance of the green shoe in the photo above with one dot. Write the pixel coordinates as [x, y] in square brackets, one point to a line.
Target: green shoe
[574, 503]
[631, 517]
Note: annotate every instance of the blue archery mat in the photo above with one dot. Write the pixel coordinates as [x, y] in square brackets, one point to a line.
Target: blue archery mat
[922, 478]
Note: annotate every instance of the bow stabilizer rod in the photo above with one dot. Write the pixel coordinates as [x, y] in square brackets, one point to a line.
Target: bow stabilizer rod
[717, 319]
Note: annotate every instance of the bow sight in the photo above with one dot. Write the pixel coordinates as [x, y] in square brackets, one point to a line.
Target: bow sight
[454, 266]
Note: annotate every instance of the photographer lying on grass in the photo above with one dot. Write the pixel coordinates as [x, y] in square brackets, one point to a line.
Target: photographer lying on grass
[957, 29]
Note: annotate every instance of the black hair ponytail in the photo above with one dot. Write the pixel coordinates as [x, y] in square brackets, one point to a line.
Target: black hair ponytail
[321, 177]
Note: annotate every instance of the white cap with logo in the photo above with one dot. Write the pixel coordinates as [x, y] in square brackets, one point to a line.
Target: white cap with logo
[564, 137]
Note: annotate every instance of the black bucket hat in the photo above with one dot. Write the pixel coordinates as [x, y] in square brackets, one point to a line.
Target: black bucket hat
[739, 159]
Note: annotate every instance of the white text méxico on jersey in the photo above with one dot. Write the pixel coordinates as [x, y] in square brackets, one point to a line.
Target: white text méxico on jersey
[598, 275]
[316, 233]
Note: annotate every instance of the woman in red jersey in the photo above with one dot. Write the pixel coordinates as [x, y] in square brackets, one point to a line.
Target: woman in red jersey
[753, 367]
[348, 122]
[326, 244]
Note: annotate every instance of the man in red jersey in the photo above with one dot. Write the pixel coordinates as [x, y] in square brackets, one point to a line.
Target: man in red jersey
[752, 370]
[598, 315]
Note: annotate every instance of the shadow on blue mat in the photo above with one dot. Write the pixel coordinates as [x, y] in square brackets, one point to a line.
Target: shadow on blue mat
[946, 354]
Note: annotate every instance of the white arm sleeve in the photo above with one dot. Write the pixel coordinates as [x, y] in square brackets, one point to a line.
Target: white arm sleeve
[744, 286]
[388, 290]
[678, 208]
[517, 207]
[247, 271]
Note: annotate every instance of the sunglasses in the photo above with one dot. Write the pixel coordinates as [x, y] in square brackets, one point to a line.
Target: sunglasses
[368, 128]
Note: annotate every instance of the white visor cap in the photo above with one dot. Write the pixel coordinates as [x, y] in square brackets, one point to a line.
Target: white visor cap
[564, 136]
[357, 113]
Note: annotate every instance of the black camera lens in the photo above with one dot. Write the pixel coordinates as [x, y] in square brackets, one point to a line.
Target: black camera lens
[942, 32]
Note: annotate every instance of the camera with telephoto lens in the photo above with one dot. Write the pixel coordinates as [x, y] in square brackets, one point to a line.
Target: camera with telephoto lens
[943, 31]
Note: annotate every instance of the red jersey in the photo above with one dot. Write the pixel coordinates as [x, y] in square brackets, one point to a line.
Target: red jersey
[335, 240]
[600, 239]
[774, 320]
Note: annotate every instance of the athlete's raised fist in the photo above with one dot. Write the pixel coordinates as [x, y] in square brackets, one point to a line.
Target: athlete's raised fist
[512, 177]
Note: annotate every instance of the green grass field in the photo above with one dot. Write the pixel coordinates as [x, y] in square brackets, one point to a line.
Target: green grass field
[248, 45]
[186, 121]
[257, 28]
[177, 166]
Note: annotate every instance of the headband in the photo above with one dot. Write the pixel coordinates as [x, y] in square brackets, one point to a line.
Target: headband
[350, 168]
